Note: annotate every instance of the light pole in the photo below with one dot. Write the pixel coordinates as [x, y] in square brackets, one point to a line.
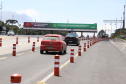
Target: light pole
[124, 22]
[105, 28]
[111, 28]
[116, 24]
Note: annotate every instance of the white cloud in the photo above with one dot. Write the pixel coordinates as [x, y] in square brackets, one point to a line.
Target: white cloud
[30, 12]
[21, 18]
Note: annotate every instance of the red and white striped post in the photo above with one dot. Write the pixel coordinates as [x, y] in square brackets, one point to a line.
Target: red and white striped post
[84, 46]
[82, 38]
[14, 50]
[33, 46]
[28, 39]
[0, 42]
[15, 79]
[94, 41]
[88, 45]
[16, 40]
[90, 42]
[37, 39]
[79, 50]
[56, 65]
[72, 56]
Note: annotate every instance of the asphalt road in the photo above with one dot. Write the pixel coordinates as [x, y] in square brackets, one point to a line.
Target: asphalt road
[102, 63]
[33, 66]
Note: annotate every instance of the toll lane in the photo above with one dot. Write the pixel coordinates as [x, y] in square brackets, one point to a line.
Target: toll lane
[32, 66]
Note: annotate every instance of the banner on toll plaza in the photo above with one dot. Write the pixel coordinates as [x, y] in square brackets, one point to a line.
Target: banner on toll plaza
[60, 25]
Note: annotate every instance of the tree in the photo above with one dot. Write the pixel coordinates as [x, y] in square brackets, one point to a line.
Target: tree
[11, 22]
[10, 25]
[101, 33]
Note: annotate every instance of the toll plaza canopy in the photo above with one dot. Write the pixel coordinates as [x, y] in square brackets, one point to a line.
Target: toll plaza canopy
[74, 27]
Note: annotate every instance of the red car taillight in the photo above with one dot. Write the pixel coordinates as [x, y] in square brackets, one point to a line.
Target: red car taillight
[75, 38]
[59, 43]
[42, 43]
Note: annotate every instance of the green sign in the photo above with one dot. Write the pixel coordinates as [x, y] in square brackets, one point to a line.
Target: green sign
[60, 25]
[75, 26]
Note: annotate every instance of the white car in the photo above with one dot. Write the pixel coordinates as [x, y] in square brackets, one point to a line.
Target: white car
[10, 33]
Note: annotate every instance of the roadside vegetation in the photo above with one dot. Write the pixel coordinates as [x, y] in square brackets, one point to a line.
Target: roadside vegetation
[118, 34]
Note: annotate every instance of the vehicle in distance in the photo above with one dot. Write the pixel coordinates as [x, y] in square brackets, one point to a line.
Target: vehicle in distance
[10, 33]
[53, 42]
[72, 38]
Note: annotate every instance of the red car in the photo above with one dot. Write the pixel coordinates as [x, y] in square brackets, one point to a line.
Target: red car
[53, 42]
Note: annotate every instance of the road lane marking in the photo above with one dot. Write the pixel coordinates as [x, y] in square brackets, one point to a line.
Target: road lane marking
[5, 57]
[20, 54]
[27, 52]
[40, 82]
[51, 74]
[63, 64]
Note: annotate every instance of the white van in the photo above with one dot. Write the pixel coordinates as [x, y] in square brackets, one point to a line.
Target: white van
[10, 33]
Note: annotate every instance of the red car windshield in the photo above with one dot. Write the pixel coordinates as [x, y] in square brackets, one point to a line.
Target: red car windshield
[51, 38]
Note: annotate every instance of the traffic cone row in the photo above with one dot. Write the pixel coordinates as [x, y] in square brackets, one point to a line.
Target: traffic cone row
[16, 78]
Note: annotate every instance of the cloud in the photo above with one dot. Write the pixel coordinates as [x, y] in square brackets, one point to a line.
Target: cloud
[30, 12]
[21, 18]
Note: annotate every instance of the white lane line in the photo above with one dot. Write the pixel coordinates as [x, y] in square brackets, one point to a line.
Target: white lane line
[112, 43]
[4, 46]
[19, 54]
[3, 58]
[51, 74]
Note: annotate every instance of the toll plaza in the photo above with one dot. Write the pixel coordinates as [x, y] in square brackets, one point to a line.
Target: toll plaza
[71, 27]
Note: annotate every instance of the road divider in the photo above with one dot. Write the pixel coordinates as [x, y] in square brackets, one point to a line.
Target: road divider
[84, 46]
[15, 79]
[88, 44]
[56, 65]
[79, 50]
[14, 50]
[0, 42]
[72, 56]
[37, 39]
[28, 39]
[33, 46]
[82, 38]
[16, 40]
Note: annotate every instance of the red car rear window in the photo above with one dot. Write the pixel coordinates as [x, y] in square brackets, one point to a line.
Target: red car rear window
[51, 38]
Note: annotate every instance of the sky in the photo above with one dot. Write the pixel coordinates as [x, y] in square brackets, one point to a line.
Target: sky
[63, 11]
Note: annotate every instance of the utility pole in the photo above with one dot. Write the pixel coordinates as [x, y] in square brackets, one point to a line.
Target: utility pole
[112, 21]
[124, 23]
[1, 7]
[116, 23]
[111, 28]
